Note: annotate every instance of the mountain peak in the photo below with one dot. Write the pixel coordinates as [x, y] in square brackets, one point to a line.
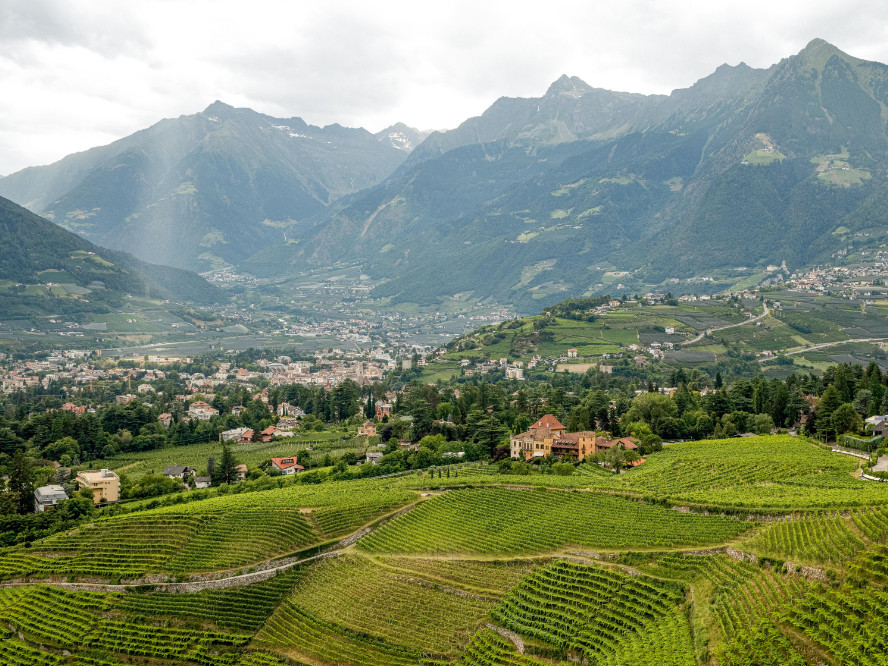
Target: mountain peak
[218, 108]
[573, 86]
[818, 51]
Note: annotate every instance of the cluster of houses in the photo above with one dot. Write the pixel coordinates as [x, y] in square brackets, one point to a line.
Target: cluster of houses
[548, 436]
[104, 483]
[513, 370]
[862, 281]
[76, 368]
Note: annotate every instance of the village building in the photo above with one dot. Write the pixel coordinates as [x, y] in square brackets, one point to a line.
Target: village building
[383, 409]
[235, 434]
[104, 483]
[367, 430]
[202, 411]
[46, 497]
[287, 465]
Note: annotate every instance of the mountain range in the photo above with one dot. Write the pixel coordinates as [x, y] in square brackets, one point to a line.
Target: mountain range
[579, 191]
[211, 188]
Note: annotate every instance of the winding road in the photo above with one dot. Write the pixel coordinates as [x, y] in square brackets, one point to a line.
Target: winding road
[822, 345]
[709, 331]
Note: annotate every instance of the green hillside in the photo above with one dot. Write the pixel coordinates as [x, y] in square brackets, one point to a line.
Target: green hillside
[45, 269]
[519, 571]
[807, 331]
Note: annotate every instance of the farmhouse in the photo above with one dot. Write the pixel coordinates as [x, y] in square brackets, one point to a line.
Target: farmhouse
[287, 465]
[177, 471]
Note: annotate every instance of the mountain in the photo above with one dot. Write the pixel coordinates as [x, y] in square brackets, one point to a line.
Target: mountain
[539, 199]
[47, 269]
[211, 188]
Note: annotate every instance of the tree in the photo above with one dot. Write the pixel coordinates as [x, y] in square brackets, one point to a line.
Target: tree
[653, 409]
[862, 402]
[846, 419]
[762, 424]
[225, 470]
[829, 402]
[9, 441]
[21, 482]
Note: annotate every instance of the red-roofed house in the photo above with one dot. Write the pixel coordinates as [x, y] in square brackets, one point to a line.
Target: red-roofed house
[548, 422]
[287, 465]
[627, 443]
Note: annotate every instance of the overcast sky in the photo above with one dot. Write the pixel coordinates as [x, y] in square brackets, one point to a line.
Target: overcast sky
[80, 73]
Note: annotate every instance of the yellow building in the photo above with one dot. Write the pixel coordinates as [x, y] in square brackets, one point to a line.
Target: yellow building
[104, 483]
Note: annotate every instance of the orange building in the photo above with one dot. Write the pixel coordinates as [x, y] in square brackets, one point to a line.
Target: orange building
[549, 437]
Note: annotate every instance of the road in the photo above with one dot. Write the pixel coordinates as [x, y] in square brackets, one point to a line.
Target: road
[822, 345]
[722, 328]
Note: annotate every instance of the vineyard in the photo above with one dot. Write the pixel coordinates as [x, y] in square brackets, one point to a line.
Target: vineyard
[514, 522]
[486, 569]
[773, 473]
[221, 533]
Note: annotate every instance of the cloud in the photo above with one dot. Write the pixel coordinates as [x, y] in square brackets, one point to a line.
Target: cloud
[77, 73]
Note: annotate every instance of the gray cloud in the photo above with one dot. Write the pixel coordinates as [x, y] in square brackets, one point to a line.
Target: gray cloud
[77, 73]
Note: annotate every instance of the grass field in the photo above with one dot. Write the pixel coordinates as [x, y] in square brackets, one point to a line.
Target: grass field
[136, 465]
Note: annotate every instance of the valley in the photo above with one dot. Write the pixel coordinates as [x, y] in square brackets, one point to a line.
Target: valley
[592, 377]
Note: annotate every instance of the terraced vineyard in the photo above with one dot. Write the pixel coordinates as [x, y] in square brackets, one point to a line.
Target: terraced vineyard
[818, 538]
[779, 472]
[776, 473]
[596, 614]
[216, 534]
[503, 573]
[504, 521]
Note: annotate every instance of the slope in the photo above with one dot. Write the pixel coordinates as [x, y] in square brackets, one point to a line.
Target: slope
[47, 269]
